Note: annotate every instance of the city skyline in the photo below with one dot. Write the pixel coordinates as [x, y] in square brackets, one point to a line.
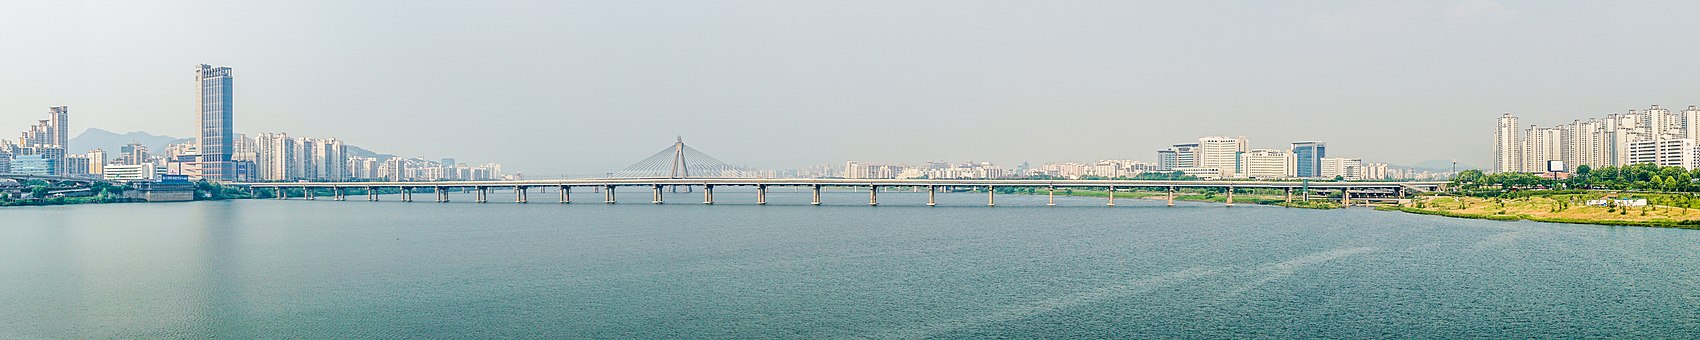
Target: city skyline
[971, 81]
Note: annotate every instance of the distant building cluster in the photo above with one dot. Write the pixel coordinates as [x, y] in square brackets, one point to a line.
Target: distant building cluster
[1217, 157]
[41, 149]
[417, 169]
[933, 170]
[1210, 157]
[1652, 136]
[218, 153]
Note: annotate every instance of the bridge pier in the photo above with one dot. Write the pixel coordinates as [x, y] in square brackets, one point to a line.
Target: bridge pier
[519, 194]
[991, 196]
[816, 201]
[308, 191]
[1112, 195]
[932, 193]
[608, 195]
[406, 194]
[1345, 197]
[1171, 196]
[761, 194]
[1230, 196]
[372, 194]
[566, 197]
[658, 197]
[873, 195]
[1289, 197]
[480, 194]
[1051, 201]
[707, 194]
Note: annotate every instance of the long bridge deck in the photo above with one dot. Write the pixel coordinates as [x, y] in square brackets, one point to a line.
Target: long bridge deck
[607, 186]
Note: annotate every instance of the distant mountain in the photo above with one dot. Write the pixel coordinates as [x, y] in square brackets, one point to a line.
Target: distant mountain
[111, 142]
[94, 138]
[355, 151]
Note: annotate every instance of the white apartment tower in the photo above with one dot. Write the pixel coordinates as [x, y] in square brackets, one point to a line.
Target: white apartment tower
[1507, 146]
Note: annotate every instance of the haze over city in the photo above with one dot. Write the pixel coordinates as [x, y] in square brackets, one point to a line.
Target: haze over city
[584, 87]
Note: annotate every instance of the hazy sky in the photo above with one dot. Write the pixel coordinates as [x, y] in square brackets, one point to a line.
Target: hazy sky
[553, 87]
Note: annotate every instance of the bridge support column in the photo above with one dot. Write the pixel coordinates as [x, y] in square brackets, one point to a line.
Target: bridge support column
[816, 201]
[991, 196]
[608, 195]
[311, 196]
[1051, 200]
[1112, 195]
[761, 194]
[442, 197]
[1171, 196]
[1289, 197]
[566, 196]
[1230, 196]
[707, 194]
[658, 197]
[1345, 197]
[481, 193]
[372, 194]
[932, 194]
[279, 191]
[519, 194]
[406, 194]
[873, 195]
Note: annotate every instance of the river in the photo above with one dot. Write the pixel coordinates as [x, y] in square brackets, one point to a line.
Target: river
[324, 269]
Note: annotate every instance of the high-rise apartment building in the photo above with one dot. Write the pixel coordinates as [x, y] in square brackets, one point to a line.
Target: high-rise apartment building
[216, 139]
[97, 161]
[1307, 158]
[1222, 154]
[1507, 146]
[47, 138]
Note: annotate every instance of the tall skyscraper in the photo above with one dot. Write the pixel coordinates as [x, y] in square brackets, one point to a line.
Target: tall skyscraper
[1507, 148]
[57, 117]
[215, 114]
[1307, 158]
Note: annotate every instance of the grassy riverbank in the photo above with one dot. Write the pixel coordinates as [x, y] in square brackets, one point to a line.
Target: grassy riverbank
[1275, 198]
[1663, 210]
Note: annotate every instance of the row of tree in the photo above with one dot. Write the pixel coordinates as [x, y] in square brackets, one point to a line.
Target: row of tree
[1647, 177]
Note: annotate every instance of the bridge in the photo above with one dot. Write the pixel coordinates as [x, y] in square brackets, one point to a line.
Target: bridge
[668, 169]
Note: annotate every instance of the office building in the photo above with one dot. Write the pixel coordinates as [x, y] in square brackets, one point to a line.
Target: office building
[1664, 152]
[1307, 158]
[1221, 153]
[1267, 164]
[35, 165]
[216, 140]
[1345, 168]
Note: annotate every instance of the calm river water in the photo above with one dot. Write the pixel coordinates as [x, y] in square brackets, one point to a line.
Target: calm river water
[323, 269]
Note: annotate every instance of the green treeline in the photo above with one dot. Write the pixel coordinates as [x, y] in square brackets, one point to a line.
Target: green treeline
[1644, 177]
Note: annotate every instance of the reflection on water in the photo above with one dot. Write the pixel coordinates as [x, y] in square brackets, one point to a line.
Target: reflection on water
[317, 269]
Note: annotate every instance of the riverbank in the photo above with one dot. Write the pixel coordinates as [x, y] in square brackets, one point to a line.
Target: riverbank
[1662, 210]
[1207, 196]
